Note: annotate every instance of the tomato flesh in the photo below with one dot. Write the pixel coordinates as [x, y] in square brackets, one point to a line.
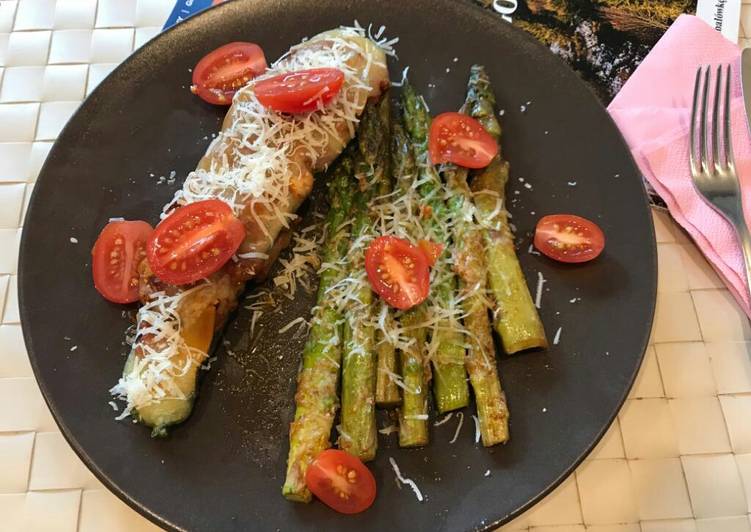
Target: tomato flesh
[341, 481]
[301, 91]
[569, 238]
[222, 72]
[116, 254]
[397, 271]
[460, 139]
[194, 241]
[431, 249]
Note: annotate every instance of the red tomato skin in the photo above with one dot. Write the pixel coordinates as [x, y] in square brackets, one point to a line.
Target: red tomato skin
[360, 494]
[418, 286]
[216, 82]
[592, 239]
[460, 139]
[431, 250]
[296, 92]
[210, 226]
[134, 235]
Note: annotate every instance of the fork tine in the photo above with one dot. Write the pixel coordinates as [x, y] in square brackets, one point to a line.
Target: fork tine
[703, 129]
[729, 159]
[717, 132]
[694, 112]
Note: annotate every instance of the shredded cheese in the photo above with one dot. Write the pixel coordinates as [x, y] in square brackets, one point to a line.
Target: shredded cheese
[458, 426]
[302, 264]
[477, 428]
[444, 420]
[291, 324]
[557, 337]
[538, 296]
[409, 482]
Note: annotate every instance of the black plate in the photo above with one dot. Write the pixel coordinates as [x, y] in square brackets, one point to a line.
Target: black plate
[222, 469]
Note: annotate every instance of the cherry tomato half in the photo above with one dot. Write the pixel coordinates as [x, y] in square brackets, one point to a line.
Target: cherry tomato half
[341, 481]
[397, 271]
[116, 254]
[431, 249]
[569, 238]
[221, 73]
[460, 139]
[301, 91]
[194, 241]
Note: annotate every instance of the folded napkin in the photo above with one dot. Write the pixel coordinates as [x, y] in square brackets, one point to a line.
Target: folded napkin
[653, 112]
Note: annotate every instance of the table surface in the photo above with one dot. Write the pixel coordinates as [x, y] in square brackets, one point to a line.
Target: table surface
[678, 458]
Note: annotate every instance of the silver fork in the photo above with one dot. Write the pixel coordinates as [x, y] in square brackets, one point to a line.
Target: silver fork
[714, 175]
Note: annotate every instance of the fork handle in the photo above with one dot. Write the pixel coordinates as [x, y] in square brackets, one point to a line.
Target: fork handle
[744, 238]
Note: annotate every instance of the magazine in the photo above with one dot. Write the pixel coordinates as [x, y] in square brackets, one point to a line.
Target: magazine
[605, 40]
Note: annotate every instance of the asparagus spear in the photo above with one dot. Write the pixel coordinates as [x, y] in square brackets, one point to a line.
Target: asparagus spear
[375, 148]
[471, 268]
[316, 398]
[357, 434]
[413, 415]
[449, 383]
[358, 427]
[516, 318]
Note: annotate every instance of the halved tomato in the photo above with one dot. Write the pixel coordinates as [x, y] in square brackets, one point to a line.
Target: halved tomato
[569, 238]
[397, 271]
[431, 249]
[194, 241]
[301, 91]
[115, 257]
[341, 481]
[460, 139]
[221, 73]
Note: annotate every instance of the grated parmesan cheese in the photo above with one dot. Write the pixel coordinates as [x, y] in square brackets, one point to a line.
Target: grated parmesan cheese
[291, 324]
[303, 263]
[557, 337]
[390, 429]
[538, 296]
[444, 420]
[477, 428]
[406, 481]
[458, 426]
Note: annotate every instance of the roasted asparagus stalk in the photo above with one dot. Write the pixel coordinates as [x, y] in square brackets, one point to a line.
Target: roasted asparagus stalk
[378, 154]
[415, 368]
[358, 427]
[316, 400]
[471, 269]
[448, 352]
[515, 316]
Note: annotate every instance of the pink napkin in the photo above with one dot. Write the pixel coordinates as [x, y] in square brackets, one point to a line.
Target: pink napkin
[653, 112]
